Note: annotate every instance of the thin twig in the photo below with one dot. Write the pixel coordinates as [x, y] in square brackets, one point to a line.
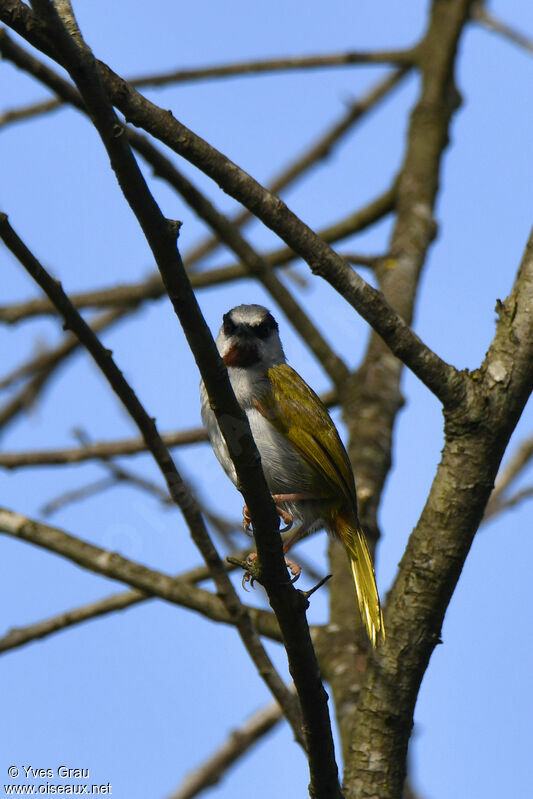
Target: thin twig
[264, 621]
[107, 449]
[437, 375]
[130, 295]
[254, 263]
[117, 474]
[27, 111]
[147, 582]
[177, 488]
[370, 261]
[104, 449]
[76, 494]
[44, 366]
[238, 743]
[239, 69]
[244, 68]
[494, 508]
[316, 152]
[492, 23]
[513, 466]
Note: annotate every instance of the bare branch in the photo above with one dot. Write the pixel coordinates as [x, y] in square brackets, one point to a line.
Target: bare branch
[477, 433]
[245, 68]
[492, 23]
[494, 508]
[27, 111]
[149, 583]
[125, 446]
[177, 488]
[117, 474]
[264, 621]
[107, 449]
[514, 467]
[370, 261]
[161, 236]
[405, 58]
[437, 375]
[255, 265]
[239, 742]
[440, 377]
[130, 295]
[77, 494]
[43, 367]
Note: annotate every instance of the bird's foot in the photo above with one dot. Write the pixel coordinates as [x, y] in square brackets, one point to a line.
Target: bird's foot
[294, 568]
[284, 515]
[248, 577]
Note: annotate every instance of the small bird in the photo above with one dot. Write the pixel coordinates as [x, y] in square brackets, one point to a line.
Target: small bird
[304, 461]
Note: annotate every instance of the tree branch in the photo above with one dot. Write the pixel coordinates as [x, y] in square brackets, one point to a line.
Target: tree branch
[149, 583]
[104, 449]
[476, 435]
[492, 23]
[239, 742]
[44, 367]
[260, 66]
[177, 488]
[254, 263]
[132, 294]
[494, 508]
[285, 601]
[226, 231]
[438, 376]
[316, 152]
[26, 111]
[372, 398]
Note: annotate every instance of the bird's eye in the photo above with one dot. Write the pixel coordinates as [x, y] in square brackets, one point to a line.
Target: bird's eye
[266, 327]
[229, 325]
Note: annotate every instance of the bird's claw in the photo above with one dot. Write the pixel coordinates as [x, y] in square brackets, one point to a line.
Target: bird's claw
[246, 520]
[294, 569]
[248, 577]
[284, 515]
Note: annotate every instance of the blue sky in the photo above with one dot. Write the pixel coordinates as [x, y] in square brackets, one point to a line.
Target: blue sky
[141, 697]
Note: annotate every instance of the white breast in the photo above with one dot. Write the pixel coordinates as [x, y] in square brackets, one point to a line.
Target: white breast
[284, 469]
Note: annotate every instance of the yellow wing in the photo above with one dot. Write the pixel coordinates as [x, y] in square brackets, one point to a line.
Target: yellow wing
[295, 411]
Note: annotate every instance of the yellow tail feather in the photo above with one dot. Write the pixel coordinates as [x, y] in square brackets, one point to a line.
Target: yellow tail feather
[354, 541]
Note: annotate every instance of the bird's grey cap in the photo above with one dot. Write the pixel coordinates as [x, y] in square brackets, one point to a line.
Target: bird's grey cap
[248, 314]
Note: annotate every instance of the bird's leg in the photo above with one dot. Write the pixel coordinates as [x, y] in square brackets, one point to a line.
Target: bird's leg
[293, 567]
[247, 519]
[283, 514]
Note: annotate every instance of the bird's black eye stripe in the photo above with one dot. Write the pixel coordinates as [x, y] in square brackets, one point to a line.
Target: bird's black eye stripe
[229, 324]
[264, 329]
